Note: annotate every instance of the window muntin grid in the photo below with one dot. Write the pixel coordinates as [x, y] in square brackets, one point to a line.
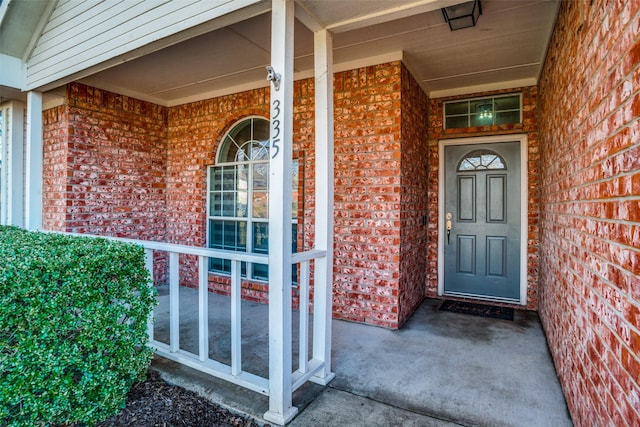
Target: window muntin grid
[238, 197]
[495, 110]
[480, 160]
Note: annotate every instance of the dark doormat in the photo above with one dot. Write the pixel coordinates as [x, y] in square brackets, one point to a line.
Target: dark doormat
[492, 311]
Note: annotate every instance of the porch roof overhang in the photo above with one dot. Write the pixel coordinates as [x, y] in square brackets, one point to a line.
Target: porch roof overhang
[215, 48]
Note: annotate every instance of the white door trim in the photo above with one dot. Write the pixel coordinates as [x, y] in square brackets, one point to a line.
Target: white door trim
[524, 197]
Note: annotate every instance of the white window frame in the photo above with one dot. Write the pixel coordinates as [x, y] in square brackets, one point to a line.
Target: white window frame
[249, 219]
[468, 115]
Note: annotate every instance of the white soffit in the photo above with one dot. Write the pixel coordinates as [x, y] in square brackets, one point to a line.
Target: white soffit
[507, 47]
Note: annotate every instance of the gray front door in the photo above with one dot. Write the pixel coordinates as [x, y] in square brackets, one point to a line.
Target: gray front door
[482, 213]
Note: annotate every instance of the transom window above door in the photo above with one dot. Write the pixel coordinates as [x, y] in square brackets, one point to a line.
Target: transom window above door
[238, 197]
[494, 110]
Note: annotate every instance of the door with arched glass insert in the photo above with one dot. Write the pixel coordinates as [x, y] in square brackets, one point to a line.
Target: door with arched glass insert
[482, 221]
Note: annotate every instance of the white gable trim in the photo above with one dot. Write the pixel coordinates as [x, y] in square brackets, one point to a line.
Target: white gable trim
[3, 9]
[38, 30]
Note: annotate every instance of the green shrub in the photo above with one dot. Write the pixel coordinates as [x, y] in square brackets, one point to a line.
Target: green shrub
[73, 314]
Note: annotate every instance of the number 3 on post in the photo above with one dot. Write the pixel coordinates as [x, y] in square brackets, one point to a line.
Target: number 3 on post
[275, 128]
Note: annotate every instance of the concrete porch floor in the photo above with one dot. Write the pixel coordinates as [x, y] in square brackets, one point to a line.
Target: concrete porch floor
[440, 369]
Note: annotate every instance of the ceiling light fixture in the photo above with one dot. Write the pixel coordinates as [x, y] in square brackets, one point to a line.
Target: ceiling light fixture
[485, 111]
[463, 15]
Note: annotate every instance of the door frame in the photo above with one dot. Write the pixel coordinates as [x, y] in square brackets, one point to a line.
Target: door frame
[524, 197]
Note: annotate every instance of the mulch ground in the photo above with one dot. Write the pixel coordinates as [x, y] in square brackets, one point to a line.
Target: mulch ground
[156, 403]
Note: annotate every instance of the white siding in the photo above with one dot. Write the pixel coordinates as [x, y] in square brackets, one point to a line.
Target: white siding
[83, 34]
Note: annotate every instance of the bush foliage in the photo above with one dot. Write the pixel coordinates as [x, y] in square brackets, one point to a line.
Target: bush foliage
[73, 336]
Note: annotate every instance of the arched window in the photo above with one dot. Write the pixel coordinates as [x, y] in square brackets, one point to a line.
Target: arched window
[479, 160]
[238, 196]
[247, 141]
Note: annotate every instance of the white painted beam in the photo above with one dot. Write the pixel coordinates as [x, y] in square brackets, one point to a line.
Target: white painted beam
[489, 87]
[33, 164]
[308, 18]
[46, 15]
[4, 6]
[323, 69]
[393, 13]
[11, 71]
[281, 409]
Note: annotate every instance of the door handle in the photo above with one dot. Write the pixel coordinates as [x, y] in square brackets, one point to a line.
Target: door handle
[449, 225]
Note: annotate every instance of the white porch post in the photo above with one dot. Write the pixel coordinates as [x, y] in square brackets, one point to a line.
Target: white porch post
[33, 172]
[12, 174]
[323, 56]
[281, 409]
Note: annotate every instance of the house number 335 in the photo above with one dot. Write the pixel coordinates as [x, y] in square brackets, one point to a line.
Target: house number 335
[275, 129]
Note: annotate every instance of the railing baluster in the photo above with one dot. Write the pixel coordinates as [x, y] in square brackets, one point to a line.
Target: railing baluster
[203, 308]
[174, 301]
[303, 355]
[236, 320]
[314, 370]
[148, 263]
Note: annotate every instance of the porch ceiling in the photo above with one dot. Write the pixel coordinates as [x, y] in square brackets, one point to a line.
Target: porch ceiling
[505, 49]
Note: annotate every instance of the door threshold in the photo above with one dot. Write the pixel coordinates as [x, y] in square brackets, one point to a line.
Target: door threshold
[482, 297]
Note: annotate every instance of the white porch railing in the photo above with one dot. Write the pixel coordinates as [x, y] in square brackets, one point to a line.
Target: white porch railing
[308, 366]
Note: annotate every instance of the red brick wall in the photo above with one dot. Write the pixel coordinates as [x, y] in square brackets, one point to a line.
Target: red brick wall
[105, 166]
[54, 168]
[528, 126]
[367, 186]
[414, 153]
[367, 195]
[304, 153]
[590, 221]
[105, 157]
[139, 170]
